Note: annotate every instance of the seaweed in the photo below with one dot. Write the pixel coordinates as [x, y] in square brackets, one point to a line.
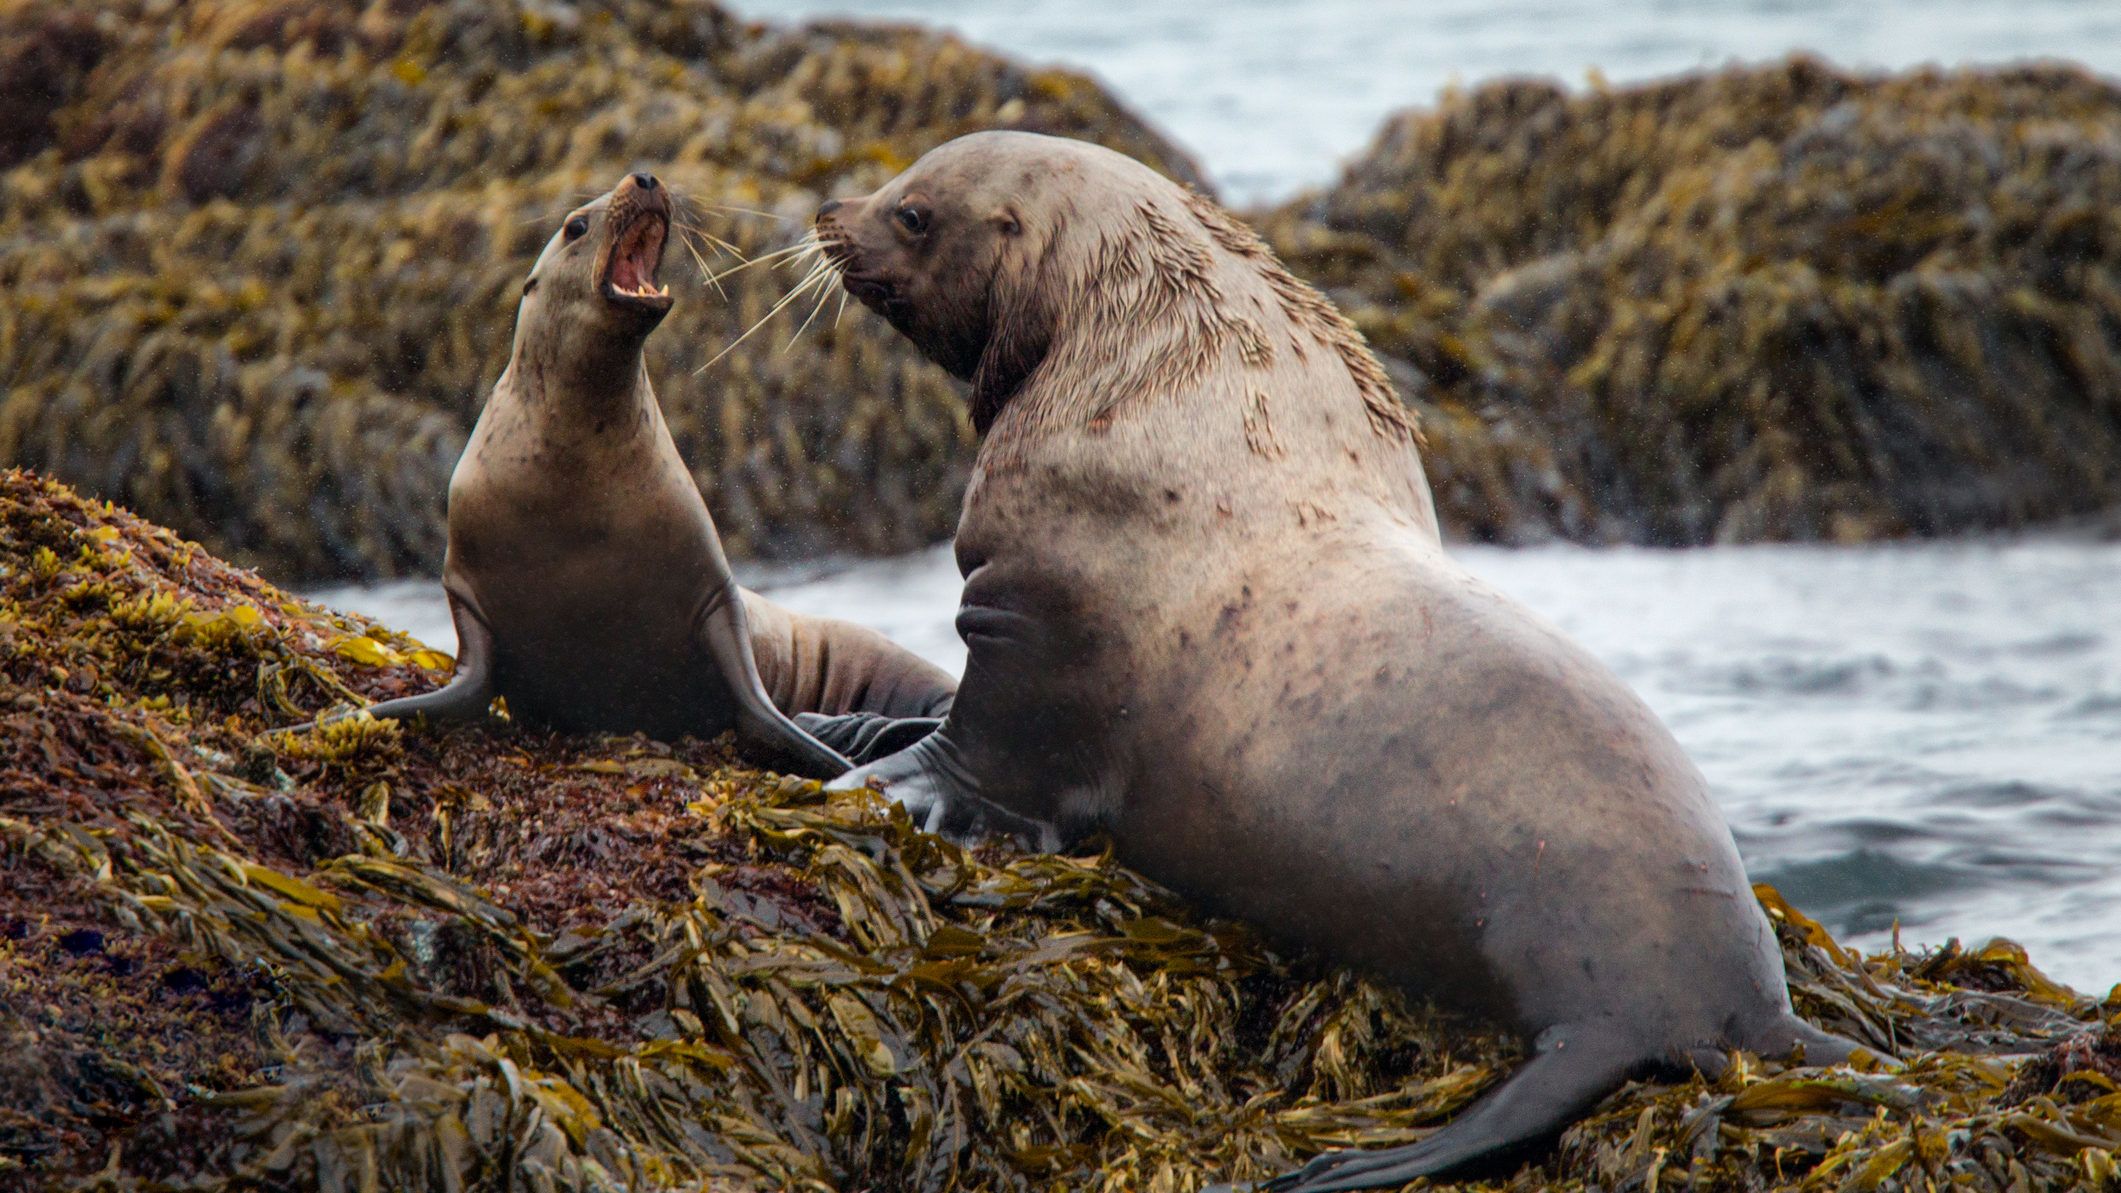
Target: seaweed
[261, 256]
[260, 259]
[1773, 302]
[370, 957]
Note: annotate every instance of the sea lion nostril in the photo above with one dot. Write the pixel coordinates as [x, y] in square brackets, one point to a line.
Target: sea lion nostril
[827, 208]
[645, 181]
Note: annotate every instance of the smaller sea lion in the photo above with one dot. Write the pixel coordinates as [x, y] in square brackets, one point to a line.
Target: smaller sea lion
[583, 572]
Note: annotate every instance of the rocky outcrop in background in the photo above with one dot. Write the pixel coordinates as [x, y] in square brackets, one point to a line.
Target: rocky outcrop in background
[1784, 302]
[259, 257]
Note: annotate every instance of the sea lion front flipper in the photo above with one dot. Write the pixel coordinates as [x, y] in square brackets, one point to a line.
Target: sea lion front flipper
[865, 737]
[931, 781]
[723, 630]
[468, 696]
[1575, 1065]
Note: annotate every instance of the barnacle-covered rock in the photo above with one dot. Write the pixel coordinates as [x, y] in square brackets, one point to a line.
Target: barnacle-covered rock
[1777, 302]
[261, 256]
[365, 956]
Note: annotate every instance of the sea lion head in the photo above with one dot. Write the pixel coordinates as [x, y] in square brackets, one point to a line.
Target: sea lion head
[972, 252]
[1006, 256]
[593, 290]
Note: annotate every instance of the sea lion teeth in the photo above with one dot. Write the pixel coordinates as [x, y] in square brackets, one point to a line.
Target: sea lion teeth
[584, 574]
[1207, 611]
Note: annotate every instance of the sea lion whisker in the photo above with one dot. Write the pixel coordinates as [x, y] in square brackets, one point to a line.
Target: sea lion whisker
[752, 211]
[809, 250]
[783, 251]
[695, 233]
[761, 259]
[685, 237]
[694, 206]
[787, 298]
[714, 240]
[824, 296]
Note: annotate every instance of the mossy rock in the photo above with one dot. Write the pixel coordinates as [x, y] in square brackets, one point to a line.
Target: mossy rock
[1784, 302]
[262, 256]
[376, 957]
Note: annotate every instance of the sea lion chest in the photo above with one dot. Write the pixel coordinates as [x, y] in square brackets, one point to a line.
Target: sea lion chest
[588, 552]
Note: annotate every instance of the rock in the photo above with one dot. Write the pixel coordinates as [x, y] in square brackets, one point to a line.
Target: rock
[372, 955]
[261, 256]
[1779, 302]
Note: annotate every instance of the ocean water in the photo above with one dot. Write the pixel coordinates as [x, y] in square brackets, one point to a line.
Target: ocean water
[1922, 735]
[1271, 95]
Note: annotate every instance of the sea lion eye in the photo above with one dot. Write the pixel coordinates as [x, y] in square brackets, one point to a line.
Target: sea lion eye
[576, 227]
[912, 219]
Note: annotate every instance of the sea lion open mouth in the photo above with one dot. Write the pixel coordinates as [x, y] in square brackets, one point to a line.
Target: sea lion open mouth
[636, 253]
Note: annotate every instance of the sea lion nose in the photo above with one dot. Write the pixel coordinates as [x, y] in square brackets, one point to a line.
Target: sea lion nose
[645, 181]
[827, 208]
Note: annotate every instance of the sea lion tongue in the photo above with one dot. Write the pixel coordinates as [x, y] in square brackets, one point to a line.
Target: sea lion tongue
[642, 213]
[640, 252]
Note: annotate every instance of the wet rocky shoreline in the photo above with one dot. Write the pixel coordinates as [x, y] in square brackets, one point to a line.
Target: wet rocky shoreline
[260, 260]
[233, 956]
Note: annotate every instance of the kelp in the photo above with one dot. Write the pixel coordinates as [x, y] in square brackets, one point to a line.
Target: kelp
[260, 260]
[1774, 302]
[370, 956]
[261, 257]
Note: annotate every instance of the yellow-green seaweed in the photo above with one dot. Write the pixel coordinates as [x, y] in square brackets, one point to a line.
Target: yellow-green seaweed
[237, 958]
[260, 257]
[1773, 302]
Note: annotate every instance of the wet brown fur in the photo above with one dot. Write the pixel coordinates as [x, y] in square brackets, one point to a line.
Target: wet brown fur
[1208, 611]
[584, 570]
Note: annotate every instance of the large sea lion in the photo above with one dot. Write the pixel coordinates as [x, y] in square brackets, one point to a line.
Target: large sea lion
[583, 572]
[1208, 611]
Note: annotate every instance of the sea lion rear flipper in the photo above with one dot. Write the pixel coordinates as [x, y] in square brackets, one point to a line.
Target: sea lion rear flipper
[831, 667]
[1575, 1066]
[1821, 1048]
[760, 726]
[468, 695]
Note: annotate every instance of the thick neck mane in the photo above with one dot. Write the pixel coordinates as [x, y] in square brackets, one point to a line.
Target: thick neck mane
[1162, 292]
[1310, 312]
